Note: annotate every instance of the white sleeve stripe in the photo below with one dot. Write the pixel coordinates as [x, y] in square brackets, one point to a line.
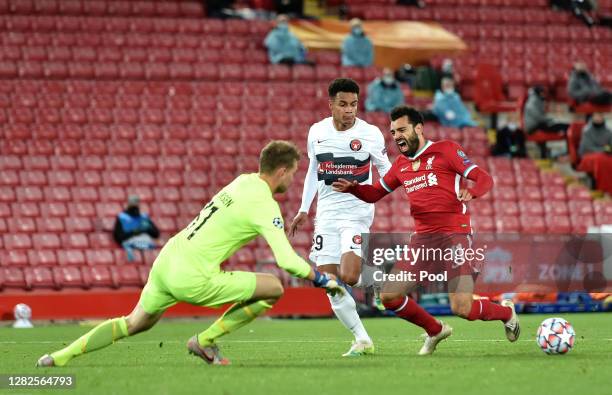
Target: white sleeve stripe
[382, 182]
[468, 170]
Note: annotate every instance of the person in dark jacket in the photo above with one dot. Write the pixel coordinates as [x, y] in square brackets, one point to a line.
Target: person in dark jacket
[535, 117]
[134, 230]
[584, 88]
[596, 136]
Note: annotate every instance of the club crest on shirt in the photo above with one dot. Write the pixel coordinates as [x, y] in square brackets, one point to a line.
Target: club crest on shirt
[355, 145]
[357, 239]
[430, 163]
[416, 164]
[461, 154]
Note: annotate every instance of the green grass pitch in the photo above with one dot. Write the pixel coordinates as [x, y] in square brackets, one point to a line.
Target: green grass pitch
[303, 357]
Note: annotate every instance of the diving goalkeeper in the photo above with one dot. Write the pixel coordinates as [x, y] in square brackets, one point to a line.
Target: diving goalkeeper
[188, 267]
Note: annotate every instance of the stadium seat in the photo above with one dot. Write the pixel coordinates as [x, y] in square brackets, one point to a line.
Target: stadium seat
[75, 240]
[99, 276]
[80, 224]
[507, 224]
[558, 224]
[101, 240]
[39, 277]
[42, 258]
[13, 278]
[55, 225]
[127, 275]
[14, 258]
[99, 257]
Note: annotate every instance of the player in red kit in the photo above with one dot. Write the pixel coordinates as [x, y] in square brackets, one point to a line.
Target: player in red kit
[430, 174]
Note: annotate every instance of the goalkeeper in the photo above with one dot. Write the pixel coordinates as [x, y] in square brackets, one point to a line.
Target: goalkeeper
[188, 267]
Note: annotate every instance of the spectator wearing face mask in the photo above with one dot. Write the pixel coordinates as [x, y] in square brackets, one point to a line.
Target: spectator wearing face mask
[582, 87]
[357, 48]
[596, 136]
[283, 46]
[384, 93]
[534, 115]
[134, 230]
[449, 108]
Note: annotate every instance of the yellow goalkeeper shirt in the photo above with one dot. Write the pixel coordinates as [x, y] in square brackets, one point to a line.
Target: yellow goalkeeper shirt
[241, 211]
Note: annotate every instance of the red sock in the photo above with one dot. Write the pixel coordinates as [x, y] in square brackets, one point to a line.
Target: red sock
[409, 310]
[485, 310]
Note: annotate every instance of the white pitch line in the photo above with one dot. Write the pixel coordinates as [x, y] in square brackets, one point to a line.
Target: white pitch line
[301, 341]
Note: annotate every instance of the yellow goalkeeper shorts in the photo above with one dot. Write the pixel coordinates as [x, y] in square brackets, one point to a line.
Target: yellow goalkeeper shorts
[175, 278]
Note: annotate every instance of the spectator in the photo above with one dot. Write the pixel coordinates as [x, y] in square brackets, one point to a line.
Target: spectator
[283, 46]
[535, 117]
[294, 8]
[447, 70]
[596, 136]
[415, 3]
[357, 48]
[583, 87]
[219, 8]
[134, 230]
[384, 93]
[449, 108]
[406, 74]
[510, 140]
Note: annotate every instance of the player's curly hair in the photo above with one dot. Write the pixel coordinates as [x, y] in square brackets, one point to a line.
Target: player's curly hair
[342, 85]
[278, 153]
[414, 116]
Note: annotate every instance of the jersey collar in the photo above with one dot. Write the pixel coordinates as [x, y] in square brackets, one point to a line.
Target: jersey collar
[419, 152]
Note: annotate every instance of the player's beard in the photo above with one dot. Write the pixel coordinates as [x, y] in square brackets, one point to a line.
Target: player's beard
[412, 145]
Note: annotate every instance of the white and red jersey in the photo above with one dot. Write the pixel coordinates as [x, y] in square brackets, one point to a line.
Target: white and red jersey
[345, 154]
[431, 179]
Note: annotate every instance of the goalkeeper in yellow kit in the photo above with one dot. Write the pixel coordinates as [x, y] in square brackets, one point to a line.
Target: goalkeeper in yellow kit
[188, 267]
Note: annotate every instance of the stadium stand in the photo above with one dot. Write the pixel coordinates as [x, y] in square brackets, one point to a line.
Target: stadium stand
[99, 95]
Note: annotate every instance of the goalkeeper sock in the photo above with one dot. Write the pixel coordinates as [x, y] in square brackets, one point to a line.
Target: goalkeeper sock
[99, 337]
[485, 310]
[409, 310]
[237, 316]
[346, 310]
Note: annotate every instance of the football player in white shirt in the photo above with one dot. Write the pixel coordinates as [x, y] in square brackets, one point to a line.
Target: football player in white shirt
[342, 146]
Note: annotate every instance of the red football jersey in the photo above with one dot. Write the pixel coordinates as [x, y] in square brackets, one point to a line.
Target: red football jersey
[431, 179]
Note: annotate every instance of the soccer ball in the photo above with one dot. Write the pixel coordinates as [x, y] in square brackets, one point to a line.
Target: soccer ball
[556, 336]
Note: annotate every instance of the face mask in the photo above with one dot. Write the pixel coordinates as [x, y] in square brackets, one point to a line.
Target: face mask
[357, 31]
[448, 91]
[388, 80]
[512, 126]
[283, 27]
[599, 124]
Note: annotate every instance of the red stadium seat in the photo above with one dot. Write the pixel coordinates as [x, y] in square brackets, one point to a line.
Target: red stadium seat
[13, 277]
[558, 224]
[42, 258]
[99, 257]
[507, 224]
[14, 258]
[79, 224]
[69, 277]
[50, 225]
[75, 240]
[39, 277]
[100, 276]
[21, 225]
[127, 275]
